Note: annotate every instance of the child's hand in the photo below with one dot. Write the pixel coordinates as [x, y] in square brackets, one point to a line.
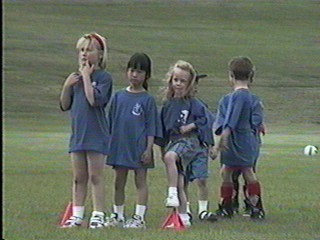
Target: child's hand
[223, 144]
[213, 153]
[87, 68]
[186, 128]
[262, 129]
[146, 156]
[72, 78]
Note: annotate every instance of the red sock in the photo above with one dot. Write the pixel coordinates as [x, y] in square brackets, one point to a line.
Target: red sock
[226, 191]
[254, 192]
[253, 188]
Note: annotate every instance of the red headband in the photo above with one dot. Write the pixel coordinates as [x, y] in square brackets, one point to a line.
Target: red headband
[92, 35]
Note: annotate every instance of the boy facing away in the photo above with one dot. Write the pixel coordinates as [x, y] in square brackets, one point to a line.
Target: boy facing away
[239, 117]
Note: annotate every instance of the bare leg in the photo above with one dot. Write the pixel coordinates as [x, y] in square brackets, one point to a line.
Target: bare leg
[203, 193]
[119, 186]
[140, 178]
[182, 195]
[170, 161]
[202, 189]
[80, 178]
[96, 162]
[141, 185]
[236, 186]
[186, 191]
[226, 174]
[249, 175]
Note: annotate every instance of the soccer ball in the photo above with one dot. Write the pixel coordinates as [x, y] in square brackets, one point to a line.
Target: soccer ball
[310, 150]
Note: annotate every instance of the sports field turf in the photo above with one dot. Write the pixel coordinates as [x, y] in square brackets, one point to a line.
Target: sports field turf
[281, 37]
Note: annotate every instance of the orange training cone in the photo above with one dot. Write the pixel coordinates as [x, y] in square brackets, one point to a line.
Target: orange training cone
[173, 221]
[66, 214]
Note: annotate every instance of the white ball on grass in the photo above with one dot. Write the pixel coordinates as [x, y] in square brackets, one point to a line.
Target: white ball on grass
[310, 150]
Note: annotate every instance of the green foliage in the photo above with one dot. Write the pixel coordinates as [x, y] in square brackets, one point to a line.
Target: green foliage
[39, 52]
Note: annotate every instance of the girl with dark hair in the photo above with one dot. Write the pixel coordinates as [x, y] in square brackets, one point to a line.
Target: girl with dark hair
[133, 126]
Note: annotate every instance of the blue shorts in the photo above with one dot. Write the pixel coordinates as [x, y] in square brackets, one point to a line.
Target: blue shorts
[198, 168]
[187, 149]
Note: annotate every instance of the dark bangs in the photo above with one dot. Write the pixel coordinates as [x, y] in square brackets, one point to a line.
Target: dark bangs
[140, 61]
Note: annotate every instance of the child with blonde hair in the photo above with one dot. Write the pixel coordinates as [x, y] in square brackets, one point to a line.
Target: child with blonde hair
[182, 116]
[86, 93]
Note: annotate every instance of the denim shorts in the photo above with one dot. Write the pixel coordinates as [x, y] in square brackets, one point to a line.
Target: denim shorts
[187, 149]
[198, 168]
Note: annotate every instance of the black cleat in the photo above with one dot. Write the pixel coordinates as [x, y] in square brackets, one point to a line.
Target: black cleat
[224, 211]
[207, 216]
[247, 208]
[257, 213]
[235, 205]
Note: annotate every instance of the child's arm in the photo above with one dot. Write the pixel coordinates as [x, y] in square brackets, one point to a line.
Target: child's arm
[222, 143]
[65, 96]
[147, 154]
[198, 110]
[257, 118]
[187, 128]
[86, 71]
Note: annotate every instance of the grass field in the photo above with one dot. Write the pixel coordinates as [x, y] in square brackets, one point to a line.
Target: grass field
[281, 36]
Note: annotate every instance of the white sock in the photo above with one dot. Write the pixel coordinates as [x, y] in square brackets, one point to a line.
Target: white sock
[188, 207]
[78, 211]
[119, 210]
[141, 210]
[203, 206]
[184, 216]
[172, 190]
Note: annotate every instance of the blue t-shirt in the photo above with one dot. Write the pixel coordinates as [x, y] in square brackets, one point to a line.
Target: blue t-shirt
[181, 111]
[206, 131]
[241, 111]
[132, 118]
[89, 123]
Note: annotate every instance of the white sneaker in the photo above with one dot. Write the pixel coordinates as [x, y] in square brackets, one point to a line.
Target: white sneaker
[73, 221]
[172, 201]
[114, 221]
[135, 222]
[97, 221]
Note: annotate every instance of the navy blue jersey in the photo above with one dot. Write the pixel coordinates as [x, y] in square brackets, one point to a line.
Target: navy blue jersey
[181, 111]
[132, 118]
[240, 111]
[89, 123]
